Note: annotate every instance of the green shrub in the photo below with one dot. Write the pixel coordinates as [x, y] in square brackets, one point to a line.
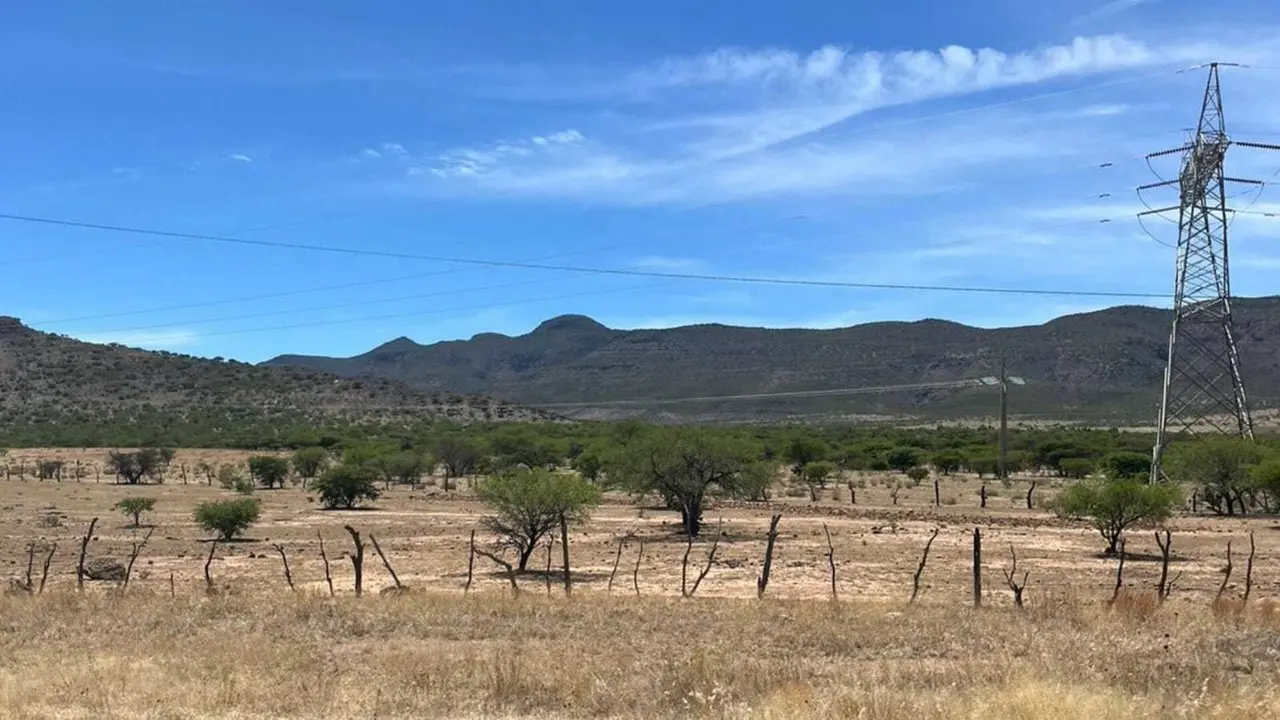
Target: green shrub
[344, 486]
[527, 504]
[1115, 505]
[269, 470]
[228, 518]
[135, 506]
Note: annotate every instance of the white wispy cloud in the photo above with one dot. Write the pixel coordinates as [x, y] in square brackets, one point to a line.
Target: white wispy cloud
[737, 124]
[240, 157]
[496, 157]
[1109, 9]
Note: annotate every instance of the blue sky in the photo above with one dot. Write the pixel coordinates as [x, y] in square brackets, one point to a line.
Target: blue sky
[908, 142]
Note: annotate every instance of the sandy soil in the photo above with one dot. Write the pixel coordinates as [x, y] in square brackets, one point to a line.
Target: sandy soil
[425, 534]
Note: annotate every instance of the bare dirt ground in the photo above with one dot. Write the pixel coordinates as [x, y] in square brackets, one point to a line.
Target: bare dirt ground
[254, 650]
[425, 533]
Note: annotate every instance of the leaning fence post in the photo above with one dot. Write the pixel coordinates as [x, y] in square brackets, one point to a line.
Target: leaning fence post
[84, 548]
[762, 582]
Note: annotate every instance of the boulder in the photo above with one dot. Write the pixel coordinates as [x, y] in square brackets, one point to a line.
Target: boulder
[104, 569]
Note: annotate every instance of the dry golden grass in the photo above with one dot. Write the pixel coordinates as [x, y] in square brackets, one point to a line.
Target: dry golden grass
[487, 655]
[256, 650]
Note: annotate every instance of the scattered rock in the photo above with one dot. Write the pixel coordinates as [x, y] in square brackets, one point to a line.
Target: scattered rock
[104, 569]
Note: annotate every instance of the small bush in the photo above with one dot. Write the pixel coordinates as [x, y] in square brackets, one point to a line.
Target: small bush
[228, 518]
[135, 506]
[269, 470]
[345, 486]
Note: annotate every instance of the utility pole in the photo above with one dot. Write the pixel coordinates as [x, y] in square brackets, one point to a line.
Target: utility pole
[1202, 388]
[1004, 380]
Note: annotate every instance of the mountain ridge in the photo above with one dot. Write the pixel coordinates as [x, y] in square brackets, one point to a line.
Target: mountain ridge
[1105, 363]
[47, 378]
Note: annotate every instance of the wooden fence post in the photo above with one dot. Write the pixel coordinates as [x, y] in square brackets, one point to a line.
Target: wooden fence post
[471, 562]
[762, 582]
[328, 578]
[564, 554]
[357, 560]
[84, 548]
[977, 567]
[924, 558]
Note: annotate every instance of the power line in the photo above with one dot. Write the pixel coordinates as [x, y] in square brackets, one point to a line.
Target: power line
[305, 291]
[625, 272]
[419, 313]
[338, 306]
[968, 382]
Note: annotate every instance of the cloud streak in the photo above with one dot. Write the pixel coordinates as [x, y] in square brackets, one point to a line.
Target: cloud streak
[737, 124]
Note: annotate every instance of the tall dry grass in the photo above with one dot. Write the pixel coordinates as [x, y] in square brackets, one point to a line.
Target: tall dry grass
[487, 655]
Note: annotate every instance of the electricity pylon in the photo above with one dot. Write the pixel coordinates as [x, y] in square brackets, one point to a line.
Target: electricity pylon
[1202, 387]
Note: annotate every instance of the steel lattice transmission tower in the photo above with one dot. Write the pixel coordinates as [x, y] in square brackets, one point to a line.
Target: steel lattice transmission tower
[1202, 388]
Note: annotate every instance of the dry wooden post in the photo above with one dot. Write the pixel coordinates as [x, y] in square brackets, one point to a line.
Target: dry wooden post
[831, 560]
[173, 591]
[853, 493]
[1011, 578]
[937, 494]
[31, 563]
[547, 576]
[357, 560]
[977, 567]
[1195, 502]
[711, 557]
[924, 558]
[22, 470]
[1226, 574]
[44, 571]
[511, 571]
[684, 565]
[1119, 574]
[133, 557]
[471, 562]
[1248, 571]
[84, 548]
[288, 576]
[1165, 543]
[328, 578]
[762, 582]
[208, 577]
[617, 558]
[564, 554]
[1030, 490]
[387, 563]
[982, 493]
[184, 473]
[635, 574]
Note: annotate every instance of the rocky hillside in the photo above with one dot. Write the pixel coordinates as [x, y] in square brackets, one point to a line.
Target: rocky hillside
[1097, 366]
[47, 378]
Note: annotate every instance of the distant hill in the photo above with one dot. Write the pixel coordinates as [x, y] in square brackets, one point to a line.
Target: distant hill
[50, 379]
[1098, 366]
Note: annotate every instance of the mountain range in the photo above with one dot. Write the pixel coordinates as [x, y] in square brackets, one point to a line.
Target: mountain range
[49, 380]
[1098, 366]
